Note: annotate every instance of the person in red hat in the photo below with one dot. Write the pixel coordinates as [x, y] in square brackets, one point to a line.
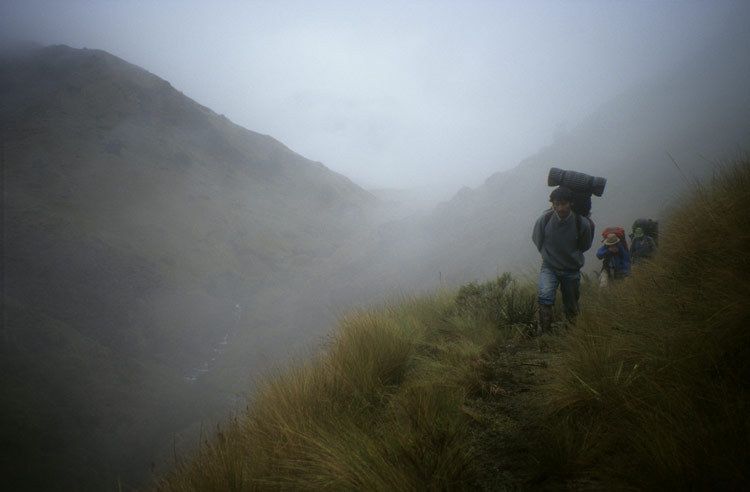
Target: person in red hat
[615, 258]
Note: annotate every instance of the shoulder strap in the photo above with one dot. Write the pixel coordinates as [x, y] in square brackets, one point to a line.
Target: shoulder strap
[547, 217]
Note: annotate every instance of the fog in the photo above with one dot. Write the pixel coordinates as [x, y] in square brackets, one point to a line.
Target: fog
[159, 260]
[391, 94]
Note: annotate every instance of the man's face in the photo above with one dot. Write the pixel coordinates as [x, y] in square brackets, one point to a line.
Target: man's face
[562, 208]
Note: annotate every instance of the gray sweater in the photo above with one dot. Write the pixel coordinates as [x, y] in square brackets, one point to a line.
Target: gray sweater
[558, 242]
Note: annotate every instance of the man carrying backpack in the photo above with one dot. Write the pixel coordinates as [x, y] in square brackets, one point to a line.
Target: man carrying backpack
[561, 236]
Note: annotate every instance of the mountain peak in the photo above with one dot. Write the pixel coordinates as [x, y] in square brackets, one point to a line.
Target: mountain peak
[61, 88]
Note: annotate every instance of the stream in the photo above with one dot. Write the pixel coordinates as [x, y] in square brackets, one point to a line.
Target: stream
[219, 348]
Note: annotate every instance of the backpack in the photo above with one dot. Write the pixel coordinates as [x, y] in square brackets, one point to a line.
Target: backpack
[650, 228]
[617, 231]
[582, 242]
[581, 204]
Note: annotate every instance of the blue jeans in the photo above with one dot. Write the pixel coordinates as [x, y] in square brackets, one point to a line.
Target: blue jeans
[570, 286]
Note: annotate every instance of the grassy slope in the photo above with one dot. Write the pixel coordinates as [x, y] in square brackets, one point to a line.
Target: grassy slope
[653, 390]
[648, 390]
[386, 405]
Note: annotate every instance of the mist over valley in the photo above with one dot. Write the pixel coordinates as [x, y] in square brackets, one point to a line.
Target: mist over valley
[159, 258]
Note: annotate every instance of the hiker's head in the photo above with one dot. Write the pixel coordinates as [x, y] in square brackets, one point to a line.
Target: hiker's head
[561, 198]
[612, 243]
[638, 232]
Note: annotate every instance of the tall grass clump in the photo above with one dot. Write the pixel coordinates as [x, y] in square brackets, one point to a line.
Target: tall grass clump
[379, 409]
[652, 391]
[503, 301]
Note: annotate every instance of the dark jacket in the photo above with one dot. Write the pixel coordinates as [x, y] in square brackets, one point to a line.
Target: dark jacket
[616, 265]
[559, 242]
[642, 247]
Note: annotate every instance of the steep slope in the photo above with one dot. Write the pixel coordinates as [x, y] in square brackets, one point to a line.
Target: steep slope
[648, 391]
[140, 230]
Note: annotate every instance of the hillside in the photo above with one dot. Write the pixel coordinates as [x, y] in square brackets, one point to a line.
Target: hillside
[698, 114]
[158, 257]
[141, 230]
[647, 391]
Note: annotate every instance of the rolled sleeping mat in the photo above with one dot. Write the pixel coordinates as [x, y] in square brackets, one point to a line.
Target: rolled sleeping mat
[578, 182]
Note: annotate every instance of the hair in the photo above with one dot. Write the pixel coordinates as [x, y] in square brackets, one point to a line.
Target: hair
[561, 194]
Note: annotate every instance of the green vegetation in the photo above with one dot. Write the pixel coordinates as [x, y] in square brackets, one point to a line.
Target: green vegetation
[648, 390]
[652, 390]
[384, 406]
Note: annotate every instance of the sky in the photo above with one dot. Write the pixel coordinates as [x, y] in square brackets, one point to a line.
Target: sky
[408, 94]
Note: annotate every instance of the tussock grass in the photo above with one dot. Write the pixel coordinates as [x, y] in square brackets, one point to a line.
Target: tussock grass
[652, 391]
[380, 409]
[503, 301]
[649, 390]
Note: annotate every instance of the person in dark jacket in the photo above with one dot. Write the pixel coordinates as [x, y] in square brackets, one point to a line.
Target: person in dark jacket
[642, 246]
[561, 236]
[615, 258]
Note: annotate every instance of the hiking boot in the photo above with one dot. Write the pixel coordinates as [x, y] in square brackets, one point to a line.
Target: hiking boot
[545, 319]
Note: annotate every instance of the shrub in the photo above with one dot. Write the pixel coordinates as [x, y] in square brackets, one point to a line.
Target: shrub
[502, 301]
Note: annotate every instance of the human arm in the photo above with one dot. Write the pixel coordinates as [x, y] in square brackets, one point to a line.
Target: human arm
[587, 232]
[537, 234]
[602, 252]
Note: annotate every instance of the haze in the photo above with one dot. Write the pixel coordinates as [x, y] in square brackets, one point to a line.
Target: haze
[393, 94]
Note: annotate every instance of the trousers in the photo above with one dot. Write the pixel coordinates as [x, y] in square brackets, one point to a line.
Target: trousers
[569, 282]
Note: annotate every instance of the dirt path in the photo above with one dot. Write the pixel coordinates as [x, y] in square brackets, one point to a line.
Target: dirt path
[512, 376]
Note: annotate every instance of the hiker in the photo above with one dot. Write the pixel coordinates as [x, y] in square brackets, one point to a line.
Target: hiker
[615, 256]
[642, 246]
[561, 236]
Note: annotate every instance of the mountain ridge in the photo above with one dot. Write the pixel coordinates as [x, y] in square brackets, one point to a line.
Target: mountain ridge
[141, 229]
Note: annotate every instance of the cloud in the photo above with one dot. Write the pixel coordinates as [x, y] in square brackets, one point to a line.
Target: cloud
[391, 93]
